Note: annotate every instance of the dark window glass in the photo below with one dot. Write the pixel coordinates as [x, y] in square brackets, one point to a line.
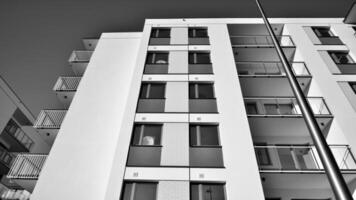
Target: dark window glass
[322, 31]
[152, 91]
[353, 86]
[201, 91]
[204, 135]
[207, 191]
[157, 58]
[262, 156]
[198, 32]
[11, 127]
[341, 57]
[147, 134]
[139, 191]
[199, 58]
[161, 33]
[251, 108]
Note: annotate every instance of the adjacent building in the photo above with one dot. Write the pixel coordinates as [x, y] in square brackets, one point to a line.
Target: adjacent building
[198, 109]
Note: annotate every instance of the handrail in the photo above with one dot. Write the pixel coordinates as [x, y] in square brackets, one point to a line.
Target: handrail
[270, 68]
[237, 40]
[27, 166]
[305, 157]
[67, 84]
[50, 119]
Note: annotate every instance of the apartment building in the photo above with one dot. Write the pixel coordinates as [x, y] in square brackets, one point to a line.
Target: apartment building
[199, 109]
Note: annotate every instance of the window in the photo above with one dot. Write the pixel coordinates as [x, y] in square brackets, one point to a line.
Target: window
[147, 135]
[323, 31]
[161, 33]
[201, 91]
[11, 127]
[198, 32]
[262, 156]
[204, 135]
[152, 91]
[353, 86]
[251, 108]
[341, 57]
[199, 191]
[199, 58]
[157, 58]
[139, 191]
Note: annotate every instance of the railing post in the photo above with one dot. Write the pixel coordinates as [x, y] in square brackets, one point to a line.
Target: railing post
[332, 170]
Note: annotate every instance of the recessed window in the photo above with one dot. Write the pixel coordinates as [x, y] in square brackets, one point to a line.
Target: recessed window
[139, 191]
[147, 135]
[323, 31]
[341, 57]
[199, 58]
[201, 91]
[251, 108]
[11, 127]
[198, 32]
[353, 86]
[262, 155]
[157, 58]
[152, 91]
[207, 191]
[161, 33]
[204, 135]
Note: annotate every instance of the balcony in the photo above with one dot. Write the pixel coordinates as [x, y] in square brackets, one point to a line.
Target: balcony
[79, 61]
[298, 171]
[156, 69]
[48, 123]
[200, 69]
[65, 88]
[26, 169]
[202, 106]
[269, 78]
[151, 105]
[279, 120]
[260, 41]
[331, 40]
[144, 156]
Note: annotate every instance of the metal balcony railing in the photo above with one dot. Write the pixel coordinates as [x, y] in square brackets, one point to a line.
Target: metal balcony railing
[27, 166]
[301, 158]
[51, 119]
[67, 84]
[283, 106]
[260, 40]
[270, 69]
[80, 56]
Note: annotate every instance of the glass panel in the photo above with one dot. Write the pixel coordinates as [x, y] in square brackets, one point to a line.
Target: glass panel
[207, 192]
[157, 91]
[144, 90]
[263, 156]
[322, 31]
[161, 58]
[251, 108]
[145, 191]
[198, 32]
[127, 191]
[192, 93]
[204, 135]
[205, 91]
[160, 33]
[147, 134]
[203, 58]
[11, 127]
[286, 109]
[271, 109]
[341, 57]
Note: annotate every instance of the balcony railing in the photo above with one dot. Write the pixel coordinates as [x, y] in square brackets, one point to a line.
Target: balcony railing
[151, 105]
[67, 84]
[270, 69]
[80, 56]
[261, 40]
[27, 166]
[306, 158]
[283, 106]
[203, 106]
[51, 119]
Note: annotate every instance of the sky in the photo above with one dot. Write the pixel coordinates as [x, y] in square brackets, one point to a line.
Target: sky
[37, 36]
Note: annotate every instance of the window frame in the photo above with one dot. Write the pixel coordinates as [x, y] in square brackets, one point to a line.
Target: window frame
[155, 32]
[142, 125]
[196, 89]
[195, 57]
[149, 84]
[205, 145]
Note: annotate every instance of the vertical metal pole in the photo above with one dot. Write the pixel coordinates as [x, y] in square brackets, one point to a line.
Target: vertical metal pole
[332, 170]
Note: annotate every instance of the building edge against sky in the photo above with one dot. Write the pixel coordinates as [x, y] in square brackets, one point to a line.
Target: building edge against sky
[196, 107]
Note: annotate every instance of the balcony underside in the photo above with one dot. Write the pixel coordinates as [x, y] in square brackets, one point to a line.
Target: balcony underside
[27, 184]
[280, 130]
[79, 68]
[65, 97]
[265, 54]
[271, 86]
[48, 134]
[309, 185]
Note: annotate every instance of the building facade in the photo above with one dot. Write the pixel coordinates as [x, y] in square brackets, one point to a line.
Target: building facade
[199, 109]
